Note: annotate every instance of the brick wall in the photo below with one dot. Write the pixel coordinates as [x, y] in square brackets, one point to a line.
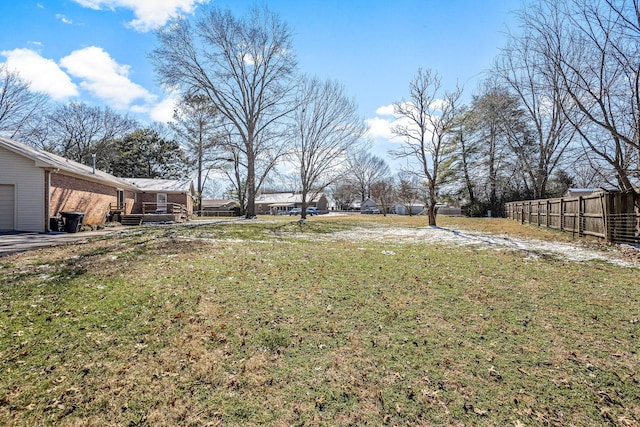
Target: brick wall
[69, 194]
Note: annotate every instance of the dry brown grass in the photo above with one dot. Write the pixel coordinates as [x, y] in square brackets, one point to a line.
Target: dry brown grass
[261, 323]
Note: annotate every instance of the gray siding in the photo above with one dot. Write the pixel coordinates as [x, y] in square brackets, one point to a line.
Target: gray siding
[28, 181]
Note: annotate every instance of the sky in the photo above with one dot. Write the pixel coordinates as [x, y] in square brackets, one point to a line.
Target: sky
[96, 51]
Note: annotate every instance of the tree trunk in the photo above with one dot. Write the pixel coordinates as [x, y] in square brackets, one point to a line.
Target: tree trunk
[431, 210]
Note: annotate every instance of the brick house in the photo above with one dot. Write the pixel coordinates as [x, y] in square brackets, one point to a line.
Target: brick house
[36, 185]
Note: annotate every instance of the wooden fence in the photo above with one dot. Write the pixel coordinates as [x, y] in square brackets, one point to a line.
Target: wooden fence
[611, 216]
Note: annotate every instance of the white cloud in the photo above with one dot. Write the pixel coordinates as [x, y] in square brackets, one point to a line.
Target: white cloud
[385, 110]
[44, 74]
[149, 14]
[104, 78]
[163, 111]
[379, 127]
[64, 19]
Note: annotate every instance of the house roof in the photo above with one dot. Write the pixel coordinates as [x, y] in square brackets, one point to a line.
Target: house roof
[162, 185]
[44, 159]
[284, 199]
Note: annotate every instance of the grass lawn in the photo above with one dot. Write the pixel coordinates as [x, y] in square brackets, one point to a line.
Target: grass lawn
[269, 323]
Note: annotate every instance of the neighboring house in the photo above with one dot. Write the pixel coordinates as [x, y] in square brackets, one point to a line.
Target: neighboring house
[36, 185]
[368, 204]
[159, 195]
[282, 203]
[576, 192]
[220, 208]
[413, 209]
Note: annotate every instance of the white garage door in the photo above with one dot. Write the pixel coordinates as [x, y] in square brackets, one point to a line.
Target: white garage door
[7, 207]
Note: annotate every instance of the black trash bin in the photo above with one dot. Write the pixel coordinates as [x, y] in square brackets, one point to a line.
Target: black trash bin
[72, 221]
[56, 223]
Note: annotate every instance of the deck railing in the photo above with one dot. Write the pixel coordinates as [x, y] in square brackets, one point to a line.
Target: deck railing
[117, 207]
[165, 208]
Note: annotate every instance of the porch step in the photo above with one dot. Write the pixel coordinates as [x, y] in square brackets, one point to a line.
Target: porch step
[131, 219]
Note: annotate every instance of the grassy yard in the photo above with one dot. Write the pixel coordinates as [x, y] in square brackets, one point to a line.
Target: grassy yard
[269, 323]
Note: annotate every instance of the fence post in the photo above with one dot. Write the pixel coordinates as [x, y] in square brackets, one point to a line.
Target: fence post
[562, 219]
[605, 206]
[548, 213]
[581, 209]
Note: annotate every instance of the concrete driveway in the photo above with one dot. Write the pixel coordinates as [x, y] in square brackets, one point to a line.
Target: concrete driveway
[13, 242]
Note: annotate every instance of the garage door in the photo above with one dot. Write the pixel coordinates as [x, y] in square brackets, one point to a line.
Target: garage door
[7, 207]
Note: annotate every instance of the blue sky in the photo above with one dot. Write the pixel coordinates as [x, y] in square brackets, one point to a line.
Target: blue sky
[96, 50]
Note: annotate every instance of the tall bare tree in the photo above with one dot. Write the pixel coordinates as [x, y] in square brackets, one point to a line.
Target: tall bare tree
[245, 67]
[536, 83]
[326, 127]
[594, 47]
[21, 110]
[426, 122]
[366, 168]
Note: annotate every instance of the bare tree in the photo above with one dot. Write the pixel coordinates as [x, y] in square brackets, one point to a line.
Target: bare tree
[408, 192]
[343, 194]
[594, 47]
[536, 83]
[197, 125]
[245, 67]
[426, 123]
[77, 131]
[383, 192]
[365, 169]
[326, 127]
[21, 110]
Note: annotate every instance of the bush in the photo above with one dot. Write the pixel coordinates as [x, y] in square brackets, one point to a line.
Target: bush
[477, 209]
